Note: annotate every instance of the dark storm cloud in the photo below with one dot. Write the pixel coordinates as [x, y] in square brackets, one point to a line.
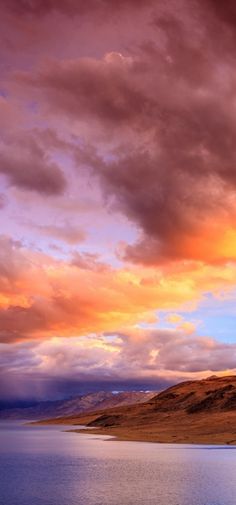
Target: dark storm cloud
[91, 88]
[225, 11]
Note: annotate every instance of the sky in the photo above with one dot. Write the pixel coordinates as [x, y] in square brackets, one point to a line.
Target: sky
[117, 194]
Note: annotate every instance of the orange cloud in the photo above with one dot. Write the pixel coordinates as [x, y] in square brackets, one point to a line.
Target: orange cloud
[41, 297]
[174, 318]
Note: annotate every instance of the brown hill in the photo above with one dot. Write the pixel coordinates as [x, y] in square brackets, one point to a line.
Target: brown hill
[191, 412]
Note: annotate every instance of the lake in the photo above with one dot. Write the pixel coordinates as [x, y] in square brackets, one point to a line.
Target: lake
[46, 466]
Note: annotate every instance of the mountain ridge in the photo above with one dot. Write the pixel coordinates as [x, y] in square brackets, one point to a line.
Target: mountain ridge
[76, 405]
[202, 412]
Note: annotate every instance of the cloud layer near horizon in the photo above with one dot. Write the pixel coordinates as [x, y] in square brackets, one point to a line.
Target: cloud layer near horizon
[155, 358]
[118, 177]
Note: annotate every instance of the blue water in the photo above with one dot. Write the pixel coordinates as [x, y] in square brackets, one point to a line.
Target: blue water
[45, 466]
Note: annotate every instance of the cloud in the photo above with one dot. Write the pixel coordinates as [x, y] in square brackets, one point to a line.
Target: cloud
[176, 351]
[152, 357]
[83, 88]
[89, 261]
[169, 129]
[22, 273]
[225, 13]
[70, 7]
[26, 165]
[3, 201]
[10, 115]
[42, 297]
[195, 354]
[67, 233]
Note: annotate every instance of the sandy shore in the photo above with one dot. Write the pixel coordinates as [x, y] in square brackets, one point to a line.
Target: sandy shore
[214, 429]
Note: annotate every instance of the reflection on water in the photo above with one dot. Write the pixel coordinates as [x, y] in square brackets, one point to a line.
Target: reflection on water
[45, 466]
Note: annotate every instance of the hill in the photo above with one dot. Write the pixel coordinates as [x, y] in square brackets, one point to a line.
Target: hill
[191, 412]
[75, 406]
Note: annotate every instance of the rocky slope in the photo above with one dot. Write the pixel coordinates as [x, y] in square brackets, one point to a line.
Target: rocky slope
[77, 405]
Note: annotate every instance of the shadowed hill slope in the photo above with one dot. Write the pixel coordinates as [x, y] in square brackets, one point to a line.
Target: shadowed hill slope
[77, 405]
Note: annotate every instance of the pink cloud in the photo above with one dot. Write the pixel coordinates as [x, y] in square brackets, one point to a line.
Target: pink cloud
[67, 233]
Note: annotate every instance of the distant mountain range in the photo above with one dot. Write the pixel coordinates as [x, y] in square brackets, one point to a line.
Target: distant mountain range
[75, 406]
[201, 411]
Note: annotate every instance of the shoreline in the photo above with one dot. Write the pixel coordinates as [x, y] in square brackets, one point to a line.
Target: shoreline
[123, 435]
